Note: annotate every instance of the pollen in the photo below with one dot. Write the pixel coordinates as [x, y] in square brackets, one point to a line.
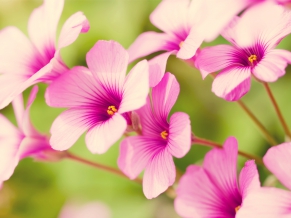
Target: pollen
[111, 110]
[252, 58]
[164, 134]
[181, 44]
[237, 208]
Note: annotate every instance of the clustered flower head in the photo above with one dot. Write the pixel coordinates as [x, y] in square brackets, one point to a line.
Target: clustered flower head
[107, 103]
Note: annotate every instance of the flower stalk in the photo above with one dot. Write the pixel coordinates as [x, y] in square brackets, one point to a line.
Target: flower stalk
[99, 166]
[206, 142]
[277, 109]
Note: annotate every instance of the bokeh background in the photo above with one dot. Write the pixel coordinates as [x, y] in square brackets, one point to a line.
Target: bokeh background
[39, 190]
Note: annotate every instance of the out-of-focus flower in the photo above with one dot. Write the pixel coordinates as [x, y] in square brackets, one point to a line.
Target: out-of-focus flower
[89, 210]
[212, 190]
[253, 36]
[185, 25]
[22, 142]
[272, 202]
[159, 142]
[24, 62]
[99, 99]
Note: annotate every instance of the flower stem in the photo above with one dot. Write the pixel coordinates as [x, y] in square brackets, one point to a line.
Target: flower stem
[268, 136]
[201, 141]
[281, 118]
[99, 166]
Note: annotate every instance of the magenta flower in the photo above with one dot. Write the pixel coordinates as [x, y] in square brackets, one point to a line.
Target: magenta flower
[252, 51]
[186, 24]
[160, 140]
[21, 142]
[24, 62]
[98, 99]
[212, 190]
[272, 202]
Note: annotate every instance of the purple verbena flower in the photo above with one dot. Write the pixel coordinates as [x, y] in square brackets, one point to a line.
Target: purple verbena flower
[98, 98]
[212, 191]
[160, 140]
[253, 36]
[24, 62]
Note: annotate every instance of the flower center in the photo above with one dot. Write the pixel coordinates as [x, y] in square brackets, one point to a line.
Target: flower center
[164, 134]
[111, 110]
[237, 208]
[181, 44]
[252, 58]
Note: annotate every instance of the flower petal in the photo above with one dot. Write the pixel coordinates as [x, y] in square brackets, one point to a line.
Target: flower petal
[271, 67]
[136, 88]
[102, 136]
[159, 174]
[232, 83]
[190, 45]
[42, 26]
[197, 196]
[271, 26]
[151, 126]
[10, 139]
[107, 61]
[215, 58]
[171, 16]
[277, 160]
[179, 141]
[221, 14]
[75, 25]
[221, 164]
[148, 43]
[32, 146]
[165, 95]
[158, 67]
[13, 85]
[18, 109]
[67, 128]
[249, 178]
[267, 203]
[17, 54]
[135, 154]
[72, 89]
[26, 125]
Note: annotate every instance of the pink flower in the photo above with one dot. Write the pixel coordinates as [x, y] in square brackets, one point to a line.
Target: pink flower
[160, 140]
[24, 62]
[212, 190]
[21, 142]
[272, 202]
[90, 210]
[98, 99]
[185, 25]
[252, 51]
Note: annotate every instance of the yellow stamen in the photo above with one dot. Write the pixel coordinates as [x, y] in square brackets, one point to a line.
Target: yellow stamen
[252, 58]
[237, 208]
[181, 44]
[164, 134]
[111, 110]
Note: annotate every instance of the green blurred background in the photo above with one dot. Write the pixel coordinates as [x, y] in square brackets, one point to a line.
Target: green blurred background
[39, 190]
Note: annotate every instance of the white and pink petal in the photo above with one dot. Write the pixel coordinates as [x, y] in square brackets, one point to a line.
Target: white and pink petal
[232, 83]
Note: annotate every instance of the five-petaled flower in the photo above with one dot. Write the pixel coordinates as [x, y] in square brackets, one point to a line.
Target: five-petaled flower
[98, 99]
[22, 142]
[186, 24]
[159, 142]
[212, 190]
[253, 36]
[24, 62]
